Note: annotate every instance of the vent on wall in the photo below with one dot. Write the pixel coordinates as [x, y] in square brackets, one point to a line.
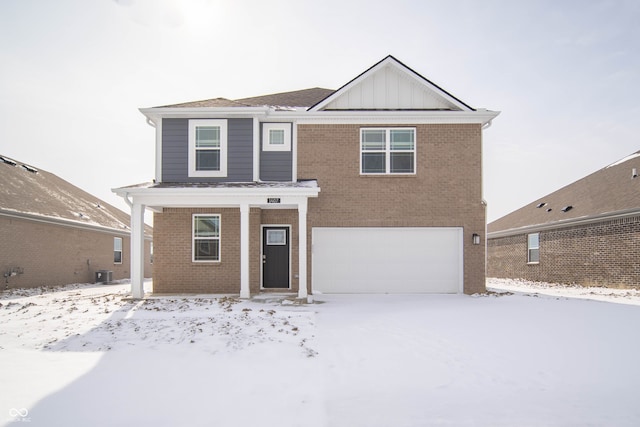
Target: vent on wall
[541, 205]
[567, 208]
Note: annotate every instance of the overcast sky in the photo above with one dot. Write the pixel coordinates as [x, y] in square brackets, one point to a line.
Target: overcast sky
[564, 74]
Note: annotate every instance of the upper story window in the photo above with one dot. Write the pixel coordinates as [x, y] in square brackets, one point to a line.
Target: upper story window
[390, 151]
[276, 136]
[533, 248]
[208, 148]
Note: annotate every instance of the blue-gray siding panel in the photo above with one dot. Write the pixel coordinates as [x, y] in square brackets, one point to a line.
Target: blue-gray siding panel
[276, 165]
[175, 151]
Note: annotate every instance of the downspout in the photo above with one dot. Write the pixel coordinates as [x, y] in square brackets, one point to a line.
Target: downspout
[127, 200]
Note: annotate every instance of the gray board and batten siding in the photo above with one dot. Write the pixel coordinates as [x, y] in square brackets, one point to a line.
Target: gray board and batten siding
[175, 151]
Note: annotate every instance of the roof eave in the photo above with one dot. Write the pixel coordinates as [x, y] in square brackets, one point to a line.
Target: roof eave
[584, 220]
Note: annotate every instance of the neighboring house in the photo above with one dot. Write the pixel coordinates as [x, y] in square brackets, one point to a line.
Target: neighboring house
[586, 233]
[53, 233]
[372, 188]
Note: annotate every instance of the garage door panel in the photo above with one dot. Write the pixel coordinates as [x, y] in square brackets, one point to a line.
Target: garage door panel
[387, 260]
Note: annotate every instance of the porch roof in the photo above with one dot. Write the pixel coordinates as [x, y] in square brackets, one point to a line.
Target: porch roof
[274, 195]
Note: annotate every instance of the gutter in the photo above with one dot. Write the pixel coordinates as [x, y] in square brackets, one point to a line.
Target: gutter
[66, 223]
[585, 220]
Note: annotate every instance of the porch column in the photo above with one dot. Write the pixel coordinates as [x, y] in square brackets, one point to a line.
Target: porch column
[244, 251]
[137, 250]
[302, 249]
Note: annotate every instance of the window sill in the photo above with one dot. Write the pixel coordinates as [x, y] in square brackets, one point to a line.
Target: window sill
[533, 263]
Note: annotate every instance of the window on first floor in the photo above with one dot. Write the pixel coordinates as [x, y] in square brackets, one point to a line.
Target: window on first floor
[206, 238]
[533, 248]
[208, 148]
[388, 151]
[117, 250]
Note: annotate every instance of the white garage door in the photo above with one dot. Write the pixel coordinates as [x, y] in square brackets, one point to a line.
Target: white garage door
[387, 260]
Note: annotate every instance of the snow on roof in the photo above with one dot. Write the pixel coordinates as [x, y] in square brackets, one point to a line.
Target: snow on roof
[625, 159]
[612, 189]
[35, 192]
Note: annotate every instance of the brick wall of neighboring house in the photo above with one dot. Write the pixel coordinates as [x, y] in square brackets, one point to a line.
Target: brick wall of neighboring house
[605, 253]
[174, 270]
[50, 254]
[446, 190]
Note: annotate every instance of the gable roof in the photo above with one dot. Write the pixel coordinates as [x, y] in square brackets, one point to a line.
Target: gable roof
[391, 85]
[215, 102]
[37, 194]
[610, 191]
[298, 98]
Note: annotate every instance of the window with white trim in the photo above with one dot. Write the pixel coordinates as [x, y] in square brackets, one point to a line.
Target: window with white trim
[208, 148]
[388, 151]
[533, 248]
[117, 250]
[206, 238]
[276, 136]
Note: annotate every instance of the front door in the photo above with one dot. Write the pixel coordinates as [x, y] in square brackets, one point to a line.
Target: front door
[275, 257]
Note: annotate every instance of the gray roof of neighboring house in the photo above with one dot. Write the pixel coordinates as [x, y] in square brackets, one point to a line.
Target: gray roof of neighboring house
[298, 98]
[611, 190]
[35, 193]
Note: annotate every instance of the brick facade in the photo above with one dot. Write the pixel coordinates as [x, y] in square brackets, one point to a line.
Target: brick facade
[446, 190]
[50, 254]
[175, 272]
[604, 253]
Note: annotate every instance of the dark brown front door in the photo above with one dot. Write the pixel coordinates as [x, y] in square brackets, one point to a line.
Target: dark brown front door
[275, 257]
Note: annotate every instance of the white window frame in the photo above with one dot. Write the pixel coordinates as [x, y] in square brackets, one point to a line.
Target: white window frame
[194, 238]
[533, 248]
[387, 150]
[193, 125]
[266, 140]
[115, 250]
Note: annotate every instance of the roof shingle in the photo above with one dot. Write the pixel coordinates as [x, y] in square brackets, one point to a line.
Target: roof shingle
[611, 189]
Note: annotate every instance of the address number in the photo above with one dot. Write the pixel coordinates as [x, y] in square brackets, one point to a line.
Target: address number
[273, 200]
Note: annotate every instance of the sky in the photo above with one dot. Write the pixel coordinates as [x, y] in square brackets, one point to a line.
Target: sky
[564, 74]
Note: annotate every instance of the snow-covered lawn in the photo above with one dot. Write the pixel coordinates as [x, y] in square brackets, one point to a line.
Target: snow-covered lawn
[523, 355]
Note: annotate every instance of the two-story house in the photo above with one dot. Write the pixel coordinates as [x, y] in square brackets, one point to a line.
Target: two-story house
[372, 188]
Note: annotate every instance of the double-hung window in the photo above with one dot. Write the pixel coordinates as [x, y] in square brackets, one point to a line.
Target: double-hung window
[208, 148]
[117, 250]
[388, 151]
[206, 238]
[533, 248]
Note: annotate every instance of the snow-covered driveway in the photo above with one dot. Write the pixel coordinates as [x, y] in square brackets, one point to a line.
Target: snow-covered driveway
[86, 355]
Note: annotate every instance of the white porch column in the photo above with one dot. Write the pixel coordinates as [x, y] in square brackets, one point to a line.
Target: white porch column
[244, 251]
[302, 249]
[137, 250]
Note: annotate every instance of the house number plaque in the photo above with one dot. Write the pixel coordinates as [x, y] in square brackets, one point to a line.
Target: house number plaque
[273, 200]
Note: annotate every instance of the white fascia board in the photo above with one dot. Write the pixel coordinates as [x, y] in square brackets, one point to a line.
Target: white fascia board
[218, 197]
[389, 117]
